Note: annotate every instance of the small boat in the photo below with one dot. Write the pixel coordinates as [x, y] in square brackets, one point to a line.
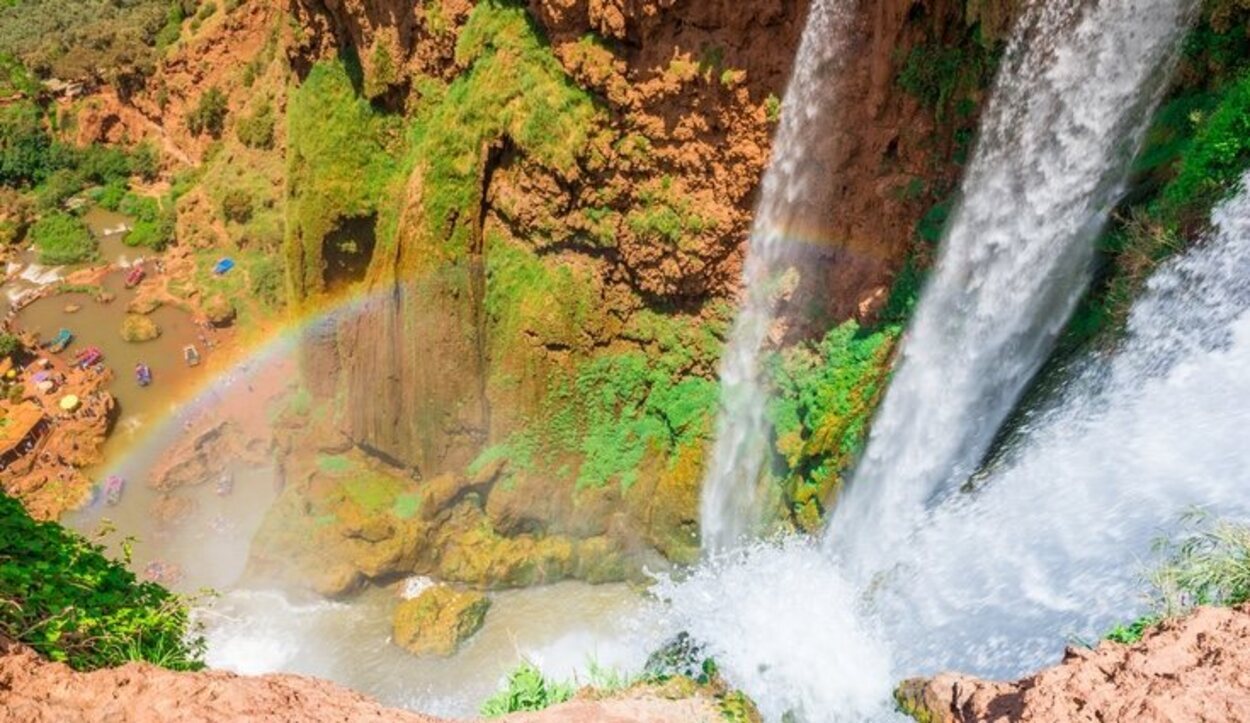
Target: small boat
[225, 484]
[62, 340]
[191, 355]
[135, 276]
[143, 374]
[113, 488]
[87, 357]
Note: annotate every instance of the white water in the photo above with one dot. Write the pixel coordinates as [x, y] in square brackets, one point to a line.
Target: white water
[730, 509]
[1068, 112]
[1052, 546]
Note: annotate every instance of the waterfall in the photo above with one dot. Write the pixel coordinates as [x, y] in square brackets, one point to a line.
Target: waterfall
[729, 505]
[1053, 544]
[1068, 111]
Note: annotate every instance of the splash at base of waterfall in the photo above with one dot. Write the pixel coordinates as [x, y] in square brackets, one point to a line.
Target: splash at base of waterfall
[1052, 546]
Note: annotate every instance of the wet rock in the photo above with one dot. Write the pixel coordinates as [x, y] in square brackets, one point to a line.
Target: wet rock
[219, 311]
[336, 581]
[438, 620]
[137, 328]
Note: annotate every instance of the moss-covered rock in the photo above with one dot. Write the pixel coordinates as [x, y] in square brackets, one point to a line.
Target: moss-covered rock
[220, 311]
[438, 620]
[137, 328]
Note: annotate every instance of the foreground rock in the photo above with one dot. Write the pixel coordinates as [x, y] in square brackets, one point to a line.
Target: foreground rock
[33, 690]
[439, 619]
[1194, 669]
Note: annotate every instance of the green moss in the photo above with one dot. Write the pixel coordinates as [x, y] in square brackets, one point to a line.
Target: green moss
[515, 89]
[943, 76]
[825, 395]
[666, 216]
[340, 162]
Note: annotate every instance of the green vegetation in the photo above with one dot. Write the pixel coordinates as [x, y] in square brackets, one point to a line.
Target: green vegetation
[236, 206]
[209, 116]
[91, 40]
[61, 238]
[825, 396]
[664, 215]
[154, 221]
[526, 690]
[60, 595]
[340, 153]
[1208, 563]
[9, 344]
[1195, 152]
[256, 130]
[514, 89]
[947, 77]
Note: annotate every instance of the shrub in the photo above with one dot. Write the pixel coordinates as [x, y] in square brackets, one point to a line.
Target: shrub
[527, 690]
[60, 595]
[62, 239]
[145, 161]
[256, 130]
[9, 344]
[209, 115]
[236, 205]
[266, 281]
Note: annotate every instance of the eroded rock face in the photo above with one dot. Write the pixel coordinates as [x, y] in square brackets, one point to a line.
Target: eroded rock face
[436, 621]
[1193, 669]
[480, 322]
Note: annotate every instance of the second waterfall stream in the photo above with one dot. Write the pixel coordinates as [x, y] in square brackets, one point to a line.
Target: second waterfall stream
[821, 631]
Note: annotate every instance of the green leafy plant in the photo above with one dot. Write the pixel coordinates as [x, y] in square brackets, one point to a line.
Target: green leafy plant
[60, 595]
[526, 690]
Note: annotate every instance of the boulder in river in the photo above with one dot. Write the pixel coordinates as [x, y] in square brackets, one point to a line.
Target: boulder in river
[438, 620]
[138, 328]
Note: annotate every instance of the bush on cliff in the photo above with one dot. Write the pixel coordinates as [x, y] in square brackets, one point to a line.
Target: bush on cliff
[60, 595]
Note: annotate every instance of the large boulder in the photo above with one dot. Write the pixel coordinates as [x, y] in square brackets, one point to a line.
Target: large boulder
[219, 310]
[438, 620]
[138, 328]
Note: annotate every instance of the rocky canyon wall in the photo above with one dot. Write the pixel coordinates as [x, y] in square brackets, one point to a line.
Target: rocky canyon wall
[545, 208]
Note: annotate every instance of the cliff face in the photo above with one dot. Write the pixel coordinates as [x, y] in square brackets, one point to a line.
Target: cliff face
[549, 231]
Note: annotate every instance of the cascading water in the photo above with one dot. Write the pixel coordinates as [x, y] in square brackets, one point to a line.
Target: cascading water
[1068, 112]
[729, 508]
[1050, 547]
